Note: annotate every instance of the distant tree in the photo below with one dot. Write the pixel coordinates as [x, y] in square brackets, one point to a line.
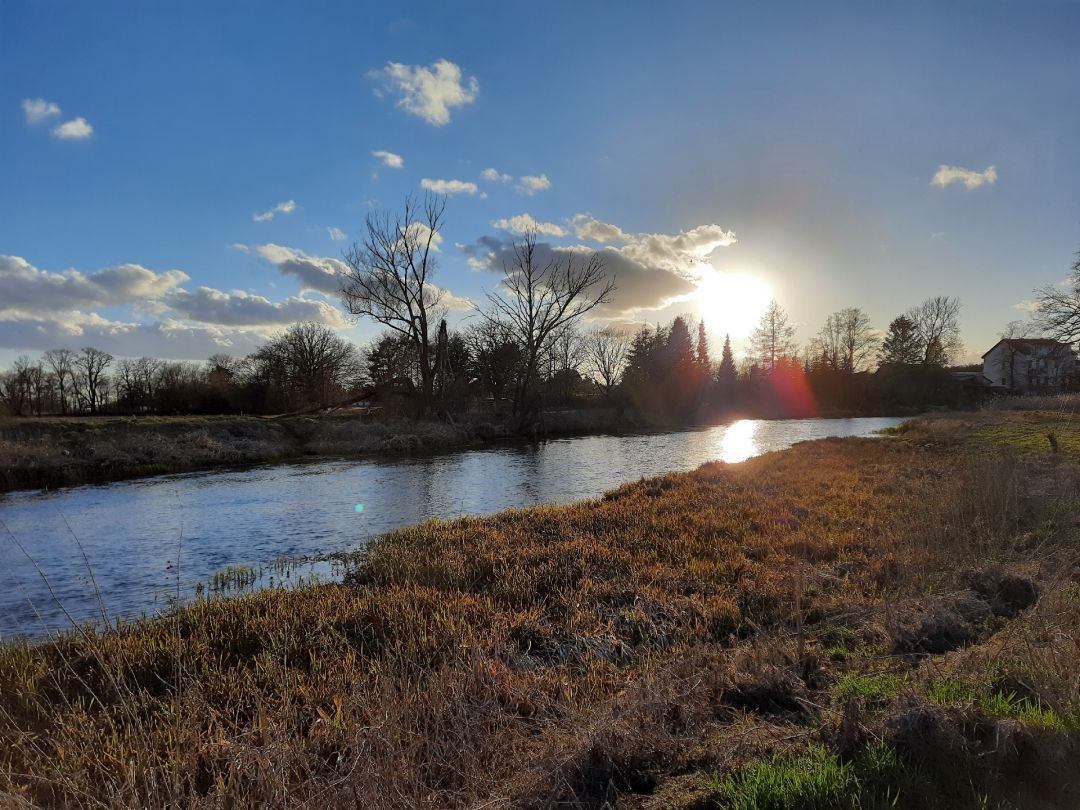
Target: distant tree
[91, 364]
[1057, 308]
[307, 364]
[773, 339]
[726, 373]
[679, 345]
[390, 357]
[62, 364]
[937, 321]
[538, 297]
[703, 346]
[846, 342]
[388, 278]
[607, 350]
[495, 360]
[902, 345]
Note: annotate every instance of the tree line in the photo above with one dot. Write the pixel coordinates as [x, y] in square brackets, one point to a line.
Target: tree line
[528, 349]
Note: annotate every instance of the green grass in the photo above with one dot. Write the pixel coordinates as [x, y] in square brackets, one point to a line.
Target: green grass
[814, 780]
[869, 687]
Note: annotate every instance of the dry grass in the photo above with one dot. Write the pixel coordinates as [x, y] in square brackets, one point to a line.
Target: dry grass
[635, 650]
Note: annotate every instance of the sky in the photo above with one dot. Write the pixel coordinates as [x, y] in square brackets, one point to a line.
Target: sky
[179, 179]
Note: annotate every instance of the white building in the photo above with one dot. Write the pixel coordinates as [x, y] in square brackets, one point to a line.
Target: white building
[1029, 365]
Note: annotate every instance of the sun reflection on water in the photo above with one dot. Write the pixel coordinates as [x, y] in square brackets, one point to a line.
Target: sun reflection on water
[738, 442]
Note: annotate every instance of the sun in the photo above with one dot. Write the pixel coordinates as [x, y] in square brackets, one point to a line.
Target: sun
[731, 303]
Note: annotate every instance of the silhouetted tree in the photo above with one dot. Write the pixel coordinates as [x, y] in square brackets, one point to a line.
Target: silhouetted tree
[937, 321]
[1057, 308]
[902, 345]
[538, 297]
[773, 339]
[389, 278]
[703, 346]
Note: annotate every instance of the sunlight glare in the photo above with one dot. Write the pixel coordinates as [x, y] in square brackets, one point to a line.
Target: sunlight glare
[731, 303]
[738, 442]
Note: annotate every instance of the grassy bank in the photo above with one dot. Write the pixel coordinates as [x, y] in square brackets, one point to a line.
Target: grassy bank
[53, 452]
[850, 623]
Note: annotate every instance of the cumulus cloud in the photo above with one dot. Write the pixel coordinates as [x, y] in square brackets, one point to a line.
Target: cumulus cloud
[651, 270]
[336, 234]
[494, 176]
[532, 183]
[448, 186]
[522, 223]
[168, 339]
[73, 130]
[389, 159]
[323, 275]
[240, 308]
[429, 93]
[588, 227]
[286, 207]
[947, 175]
[37, 110]
[26, 290]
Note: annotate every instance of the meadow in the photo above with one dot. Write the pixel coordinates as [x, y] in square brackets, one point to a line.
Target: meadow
[849, 623]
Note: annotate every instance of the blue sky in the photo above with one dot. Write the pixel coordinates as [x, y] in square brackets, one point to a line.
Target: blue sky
[792, 142]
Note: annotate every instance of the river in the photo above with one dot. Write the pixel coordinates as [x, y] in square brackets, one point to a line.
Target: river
[76, 554]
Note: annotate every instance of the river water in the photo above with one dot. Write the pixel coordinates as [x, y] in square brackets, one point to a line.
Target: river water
[74, 554]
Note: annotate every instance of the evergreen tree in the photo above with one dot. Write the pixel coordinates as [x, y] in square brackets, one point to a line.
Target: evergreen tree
[702, 345]
[679, 345]
[726, 372]
[773, 340]
[902, 345]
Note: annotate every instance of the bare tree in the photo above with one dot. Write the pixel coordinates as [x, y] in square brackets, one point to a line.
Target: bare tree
[847, 341]
[389, 277]
[91, 364]
[62, 364]
[539, 297]
[1057, 308]
[608, 350]
[938, 323]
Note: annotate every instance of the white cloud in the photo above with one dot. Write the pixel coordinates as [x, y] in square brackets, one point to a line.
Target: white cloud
[336, 234]
[429, 93]
[652, 270]
[286, 207]
[323, 275]
[448, 186]
[947, 175]
[240, 308]
[26, 290]
[389, 159]
[494, 176]
[586, 226]
[522, 223]
[240, 246]
[38, 110]
[532, 183]
[168, 339]
[75, 129]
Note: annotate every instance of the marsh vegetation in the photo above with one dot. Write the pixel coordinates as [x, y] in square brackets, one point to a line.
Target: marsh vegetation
[892, 623]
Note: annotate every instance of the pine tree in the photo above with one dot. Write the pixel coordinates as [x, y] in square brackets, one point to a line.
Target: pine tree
[902, 345]
[726, 373]
[773, 340]
[679, 345]
[702, 346]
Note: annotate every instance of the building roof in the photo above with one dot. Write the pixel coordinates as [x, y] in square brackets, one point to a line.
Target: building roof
[1026, 345]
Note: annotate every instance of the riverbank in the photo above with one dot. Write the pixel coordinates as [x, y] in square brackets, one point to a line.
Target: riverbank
[39, 453]
[836, 625]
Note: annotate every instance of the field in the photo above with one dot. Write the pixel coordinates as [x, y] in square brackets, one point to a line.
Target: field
[850, 623]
